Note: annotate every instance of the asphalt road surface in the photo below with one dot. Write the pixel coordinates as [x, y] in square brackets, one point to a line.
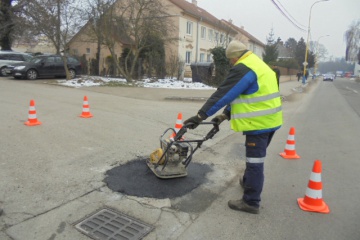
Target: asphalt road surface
[52, 175]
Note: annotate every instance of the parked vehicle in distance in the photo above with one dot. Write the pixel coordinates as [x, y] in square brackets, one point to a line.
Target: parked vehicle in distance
[339, 73]
[8, 58]
[328, 77]
[348, 74]
[45, 66]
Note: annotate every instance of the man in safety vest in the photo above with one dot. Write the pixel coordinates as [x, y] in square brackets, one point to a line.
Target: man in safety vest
[252, 102]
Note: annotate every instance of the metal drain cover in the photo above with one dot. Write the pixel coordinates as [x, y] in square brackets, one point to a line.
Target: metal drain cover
[111, 225]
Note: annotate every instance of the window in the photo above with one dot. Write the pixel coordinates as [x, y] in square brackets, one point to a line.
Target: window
[50, 59]
[202, 57]
[15, 57]
[189, 26]
[208, 58]
[58, 59]
[221, 38]
[72, 60]
[216, 37]
[211, 33]
[188, 57]
[203, 32]
[27, 57]
[87, 50]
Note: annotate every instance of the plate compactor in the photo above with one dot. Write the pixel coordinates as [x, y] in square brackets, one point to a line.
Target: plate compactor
[174, 155]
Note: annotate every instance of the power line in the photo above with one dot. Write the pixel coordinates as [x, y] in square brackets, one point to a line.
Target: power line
[299, 24]
[288, 16]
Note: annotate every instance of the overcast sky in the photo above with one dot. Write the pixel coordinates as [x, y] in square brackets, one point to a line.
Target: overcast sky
[331, 17]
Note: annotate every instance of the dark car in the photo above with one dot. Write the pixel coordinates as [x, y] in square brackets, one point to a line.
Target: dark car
[45, 66]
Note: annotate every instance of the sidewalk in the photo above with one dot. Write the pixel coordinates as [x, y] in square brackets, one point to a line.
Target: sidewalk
[289, 85]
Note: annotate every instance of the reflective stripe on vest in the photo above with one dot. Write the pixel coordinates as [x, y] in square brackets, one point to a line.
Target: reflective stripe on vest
[257, 114]
[257, 99]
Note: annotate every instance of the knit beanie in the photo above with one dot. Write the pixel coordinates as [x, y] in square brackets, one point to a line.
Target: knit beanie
[235, 49]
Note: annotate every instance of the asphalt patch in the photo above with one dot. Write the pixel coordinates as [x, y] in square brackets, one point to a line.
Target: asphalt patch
[135, 179]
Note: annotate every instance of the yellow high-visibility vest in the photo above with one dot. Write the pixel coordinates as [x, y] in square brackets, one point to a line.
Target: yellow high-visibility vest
[262, 109]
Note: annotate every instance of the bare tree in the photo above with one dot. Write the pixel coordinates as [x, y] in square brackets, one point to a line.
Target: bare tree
[9, 21]
[58, 20]
[318, 49]
[130, 23]
[93, 13]
[6, 24]
[174, 65]
[352, 38]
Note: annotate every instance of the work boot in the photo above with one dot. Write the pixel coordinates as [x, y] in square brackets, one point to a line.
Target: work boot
[240, 205]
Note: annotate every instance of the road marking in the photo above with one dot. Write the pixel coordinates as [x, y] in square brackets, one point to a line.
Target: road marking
[353, 90]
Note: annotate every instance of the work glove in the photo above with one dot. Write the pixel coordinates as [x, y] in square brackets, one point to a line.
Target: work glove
[220, 118]
[193, 122]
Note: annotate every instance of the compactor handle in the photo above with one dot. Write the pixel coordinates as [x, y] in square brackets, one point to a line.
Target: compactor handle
[213, 131]
[209, 135]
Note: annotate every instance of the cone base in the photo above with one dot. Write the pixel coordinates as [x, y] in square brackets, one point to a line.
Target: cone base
[295, 156]
[86, 116]
[28, 123]
[324, 208]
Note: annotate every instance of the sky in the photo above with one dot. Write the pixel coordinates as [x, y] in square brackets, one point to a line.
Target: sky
[258, 17]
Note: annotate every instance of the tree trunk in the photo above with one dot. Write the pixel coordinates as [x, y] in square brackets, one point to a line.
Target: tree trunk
[6, 25]
[98, 58]
[58, 29]
[66, 67]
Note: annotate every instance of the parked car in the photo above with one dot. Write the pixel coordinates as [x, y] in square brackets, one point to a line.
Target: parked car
[339, 74]
[348, 74]
[328, 77]
[8, 58]
[45, 66]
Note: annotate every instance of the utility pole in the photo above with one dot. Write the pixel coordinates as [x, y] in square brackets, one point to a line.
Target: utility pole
[305, 63]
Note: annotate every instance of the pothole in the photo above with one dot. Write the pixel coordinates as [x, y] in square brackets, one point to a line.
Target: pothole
[135, 179]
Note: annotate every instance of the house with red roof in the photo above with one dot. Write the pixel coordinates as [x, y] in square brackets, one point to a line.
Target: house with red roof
[195, 31]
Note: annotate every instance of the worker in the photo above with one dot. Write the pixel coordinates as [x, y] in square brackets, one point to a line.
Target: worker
[251, 98]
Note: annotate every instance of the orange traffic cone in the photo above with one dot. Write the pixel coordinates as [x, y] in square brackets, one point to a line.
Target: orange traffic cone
[289, 152]
[178, 126]
[32, 120]
[86, 109]
[312, 201]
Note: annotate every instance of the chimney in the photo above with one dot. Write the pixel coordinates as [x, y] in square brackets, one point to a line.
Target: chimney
[230, 21]
[194, 2]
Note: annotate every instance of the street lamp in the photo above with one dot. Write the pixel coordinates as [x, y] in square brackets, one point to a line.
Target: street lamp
[317, 50]
[307, 41]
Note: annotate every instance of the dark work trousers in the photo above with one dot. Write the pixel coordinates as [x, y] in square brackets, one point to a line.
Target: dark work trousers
[253, 178]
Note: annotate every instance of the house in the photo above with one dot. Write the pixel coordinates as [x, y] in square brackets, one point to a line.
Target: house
[196, 33]
[283, 52]
[38, 44]
[357, 65]
[252, 43]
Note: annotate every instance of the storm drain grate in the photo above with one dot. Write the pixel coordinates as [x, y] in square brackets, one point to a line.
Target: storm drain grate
[111, 225]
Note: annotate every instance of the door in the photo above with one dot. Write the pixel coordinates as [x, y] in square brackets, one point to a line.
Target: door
[47, 67]
[59, 66]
